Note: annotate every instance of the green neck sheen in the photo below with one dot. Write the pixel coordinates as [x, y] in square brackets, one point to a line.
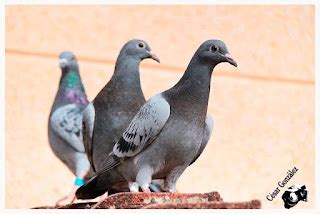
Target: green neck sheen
[71, 79]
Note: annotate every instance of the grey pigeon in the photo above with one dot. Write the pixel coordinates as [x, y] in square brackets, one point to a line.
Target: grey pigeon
[64, 128]
[167, 134]
[106, 118]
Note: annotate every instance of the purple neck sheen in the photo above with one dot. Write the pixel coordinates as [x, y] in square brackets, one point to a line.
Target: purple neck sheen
[76, 96]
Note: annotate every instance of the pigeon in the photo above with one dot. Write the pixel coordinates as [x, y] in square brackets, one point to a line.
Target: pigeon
[107, 116]
[168, 133]
[64, 126]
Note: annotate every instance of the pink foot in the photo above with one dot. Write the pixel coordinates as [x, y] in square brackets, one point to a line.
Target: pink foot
[68, 199]
[146, 190]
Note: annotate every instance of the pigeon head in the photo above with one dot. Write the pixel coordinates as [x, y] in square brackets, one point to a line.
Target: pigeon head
[139, 49]
[67, 60]
[213, 52]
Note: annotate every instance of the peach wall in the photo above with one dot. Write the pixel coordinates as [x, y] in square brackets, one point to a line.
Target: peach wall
[263, 110]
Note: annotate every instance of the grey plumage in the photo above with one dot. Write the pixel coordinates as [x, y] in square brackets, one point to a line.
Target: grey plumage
[66, 122]
[144, 127]
[147, 151]
[113, 108]
[64, 127]
[207, 131]
[116, 104]
[87, 129]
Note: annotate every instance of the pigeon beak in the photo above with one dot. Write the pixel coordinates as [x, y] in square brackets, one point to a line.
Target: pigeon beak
[154, 57]
[63, 63]
[231, 60]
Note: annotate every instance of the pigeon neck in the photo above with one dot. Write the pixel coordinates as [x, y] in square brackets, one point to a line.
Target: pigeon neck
[197, 75]
[71, 78]
[193, 89]
[127, 71]
[198, 66]
[71, 89]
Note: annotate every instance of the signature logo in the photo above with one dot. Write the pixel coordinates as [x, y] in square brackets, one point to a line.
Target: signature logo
[282, 184]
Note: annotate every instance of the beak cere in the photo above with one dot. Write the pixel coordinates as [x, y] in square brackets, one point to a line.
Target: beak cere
[63, 62]
[154, 57]
[231, 60]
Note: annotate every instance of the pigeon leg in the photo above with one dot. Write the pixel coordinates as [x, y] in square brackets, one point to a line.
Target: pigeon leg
[157, 185]
[144, 178]
[71, 197]
[146, 190]
[172, 178]
[133, 186]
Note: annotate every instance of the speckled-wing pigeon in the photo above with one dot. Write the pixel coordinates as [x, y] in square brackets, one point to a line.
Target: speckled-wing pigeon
[64, 127]
[167, 133]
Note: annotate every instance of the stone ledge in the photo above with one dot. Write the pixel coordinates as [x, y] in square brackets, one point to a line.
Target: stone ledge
[127, 200]
[254, 204]
[140, 200]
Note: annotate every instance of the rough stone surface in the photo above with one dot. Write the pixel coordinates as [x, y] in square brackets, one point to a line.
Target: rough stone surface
[254, 204]
[139, 200]
[127, 200]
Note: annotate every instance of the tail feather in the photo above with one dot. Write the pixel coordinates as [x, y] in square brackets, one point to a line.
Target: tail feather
[110, 162]
[99, 184]
[89, 175]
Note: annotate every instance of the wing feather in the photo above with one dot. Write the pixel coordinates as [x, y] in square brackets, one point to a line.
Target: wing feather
[144, 127]
[66, 123]
[141, 132]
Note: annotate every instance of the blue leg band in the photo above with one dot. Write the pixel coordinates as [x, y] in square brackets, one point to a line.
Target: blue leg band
[78, 181]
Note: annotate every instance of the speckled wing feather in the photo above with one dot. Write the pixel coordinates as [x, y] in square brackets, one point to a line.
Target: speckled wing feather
[142, 130]
[66, 123]
[144, 127]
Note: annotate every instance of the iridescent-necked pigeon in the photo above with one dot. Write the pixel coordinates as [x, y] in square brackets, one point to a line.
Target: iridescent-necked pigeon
[64, 128]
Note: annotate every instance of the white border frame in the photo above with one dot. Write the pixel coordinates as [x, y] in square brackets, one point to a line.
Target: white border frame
[157, 2]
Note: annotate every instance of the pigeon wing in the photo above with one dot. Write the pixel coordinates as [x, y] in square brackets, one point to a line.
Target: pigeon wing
[142, 131]
[144, 127]
[66, 123]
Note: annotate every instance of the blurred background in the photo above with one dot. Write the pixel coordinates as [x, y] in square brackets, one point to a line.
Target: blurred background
[263, 110]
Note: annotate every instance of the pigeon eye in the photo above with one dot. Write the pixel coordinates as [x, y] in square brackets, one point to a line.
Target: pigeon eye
[214, 48]
[141, 45]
